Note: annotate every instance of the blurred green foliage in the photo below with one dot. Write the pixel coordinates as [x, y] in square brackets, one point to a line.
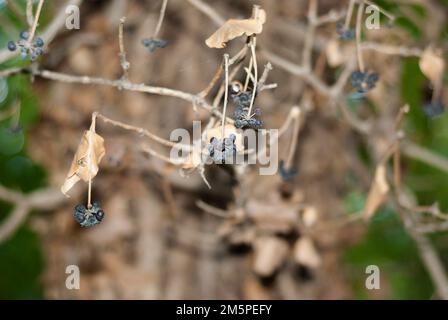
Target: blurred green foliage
[385, 243]
[21, 258]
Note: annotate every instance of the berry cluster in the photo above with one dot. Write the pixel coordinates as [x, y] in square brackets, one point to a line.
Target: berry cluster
[242, 119]
[364, 81]
[344, 33]
[88, 217]
[285, 173]
[33, 50]
[433, 109]
[222, 150]
[154, 44]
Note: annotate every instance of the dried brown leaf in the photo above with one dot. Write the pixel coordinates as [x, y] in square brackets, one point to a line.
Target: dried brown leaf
[270, 253]
[335, 55]
[305, 253]
[85, 162]
[378, 192]
[432, 65]
[234, 28]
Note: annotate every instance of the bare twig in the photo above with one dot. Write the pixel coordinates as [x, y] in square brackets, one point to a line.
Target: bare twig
[161, 17]
[213, 210]
[419, 153]
[295, 114]
[44, 199]
[29, 12]
[358, 36]
[255, 80]
[348, 17]
[125, 65]
[226, 95]
[35, 22]
[309, 38]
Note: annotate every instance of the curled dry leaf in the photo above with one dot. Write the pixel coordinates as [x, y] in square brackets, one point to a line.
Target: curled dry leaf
[432, 65]
[309, 216]
[378, 192]
[335, 55]
[234, 28]
[85, 162]
[305, 253]
[270, 253]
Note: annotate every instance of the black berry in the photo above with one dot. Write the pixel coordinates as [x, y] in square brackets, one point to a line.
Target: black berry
[12, 46]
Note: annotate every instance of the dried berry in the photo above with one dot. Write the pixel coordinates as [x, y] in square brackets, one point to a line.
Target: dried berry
[434, 109]
[241, 117]
[88, 217]
[364, 81]
[222, 151]
[285, 173]
[154, 44]
[344, 33]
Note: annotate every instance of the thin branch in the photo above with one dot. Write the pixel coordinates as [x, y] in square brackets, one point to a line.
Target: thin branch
[119, 83]
[125, 65]
[391, 49]
[424, 155]
[35, 22]
[213, 210]
[348, 18]
[208, 11]
[14, 221]
[226, 94]
[140, 131]
[161, 17]
[309, 38]
[297, 70]
[358, 36]
[255, 80]
[29, 12]
[295, 114]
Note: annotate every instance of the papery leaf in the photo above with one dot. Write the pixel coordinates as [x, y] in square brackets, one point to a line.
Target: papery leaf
[378, 192]
[85, 162]
[234, 28]
[432, 65]
[305, 253]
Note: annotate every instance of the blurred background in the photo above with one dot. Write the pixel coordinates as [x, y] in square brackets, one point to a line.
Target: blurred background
[155, 242]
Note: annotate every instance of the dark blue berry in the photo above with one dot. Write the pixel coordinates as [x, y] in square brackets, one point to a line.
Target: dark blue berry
[433, 109]
[364, 81]
[23, 53]
[12, 46]
[39, 42]
[38, 51]
[241, 116]
[24, 35]
[88, 217]
[344, 33]
[79, 213]
[285, 173]
[154, 44]
[222, 151]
